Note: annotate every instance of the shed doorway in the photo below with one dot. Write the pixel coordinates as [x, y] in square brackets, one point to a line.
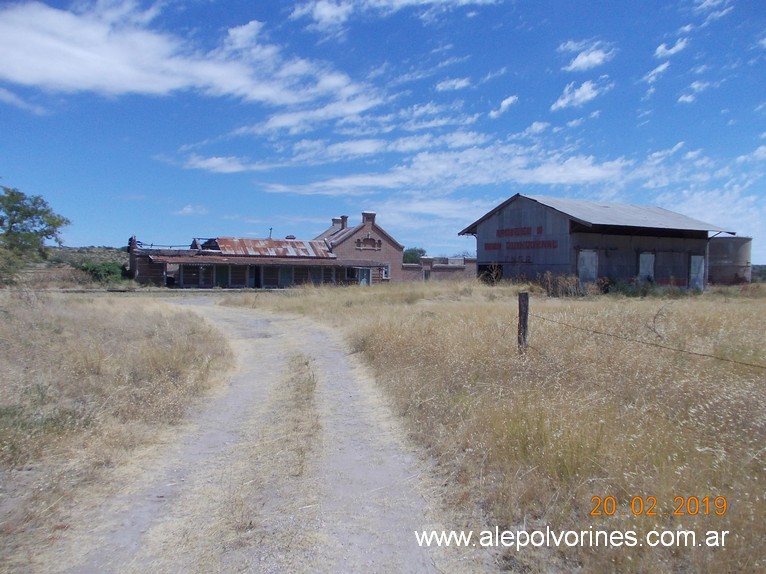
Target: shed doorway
[587, 265]
[646, 267]
[222, 276]
[697, 272]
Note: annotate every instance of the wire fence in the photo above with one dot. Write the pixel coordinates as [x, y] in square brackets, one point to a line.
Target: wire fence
[647, 343]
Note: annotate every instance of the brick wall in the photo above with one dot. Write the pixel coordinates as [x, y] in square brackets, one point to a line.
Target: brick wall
[371, 243]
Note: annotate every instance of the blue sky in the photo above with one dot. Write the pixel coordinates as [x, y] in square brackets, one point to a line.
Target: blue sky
[179, 119]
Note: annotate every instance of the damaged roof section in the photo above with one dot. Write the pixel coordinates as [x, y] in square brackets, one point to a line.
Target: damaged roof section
[281, 248]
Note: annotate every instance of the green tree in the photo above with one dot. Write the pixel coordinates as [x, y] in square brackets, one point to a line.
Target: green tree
[413, 255]
[26, 222]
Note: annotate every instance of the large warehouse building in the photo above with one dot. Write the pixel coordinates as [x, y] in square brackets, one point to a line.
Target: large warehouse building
[529, 235]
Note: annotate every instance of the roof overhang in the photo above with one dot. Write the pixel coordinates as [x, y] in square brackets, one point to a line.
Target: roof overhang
[201, 260]
[614, 215]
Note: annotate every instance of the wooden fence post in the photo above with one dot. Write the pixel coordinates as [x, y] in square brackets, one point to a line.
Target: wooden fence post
[523, 321]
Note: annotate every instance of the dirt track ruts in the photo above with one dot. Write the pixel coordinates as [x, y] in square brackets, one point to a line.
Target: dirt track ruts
[258, 483]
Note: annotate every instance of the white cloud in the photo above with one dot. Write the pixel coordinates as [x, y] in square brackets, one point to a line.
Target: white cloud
[329, 15]
[453, 84]
[695, 88]
[415, 118]
[243, 37]
[14, 100]
[188, 210]
[729, 205]
[217, 164]
[578, 96]
[463, 139]
[663, 51]
[715, 9]
[308, 152]
[660, 156]
[303, 120]
[654, 75]
[759, 154]
[326, 14]
[111, 49]
[502, 72]
[534, 129]
[448, 170]
[698, 86]
[504, 105]
[421, 214]
[354, 148]
[713, 16]
[591, 55]
[705, 5]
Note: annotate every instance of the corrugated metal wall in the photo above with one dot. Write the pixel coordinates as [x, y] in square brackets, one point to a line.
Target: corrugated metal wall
[730, 260]
[528, 239]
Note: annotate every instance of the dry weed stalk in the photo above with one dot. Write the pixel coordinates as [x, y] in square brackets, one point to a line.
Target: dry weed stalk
[533, 438]
[83, 381]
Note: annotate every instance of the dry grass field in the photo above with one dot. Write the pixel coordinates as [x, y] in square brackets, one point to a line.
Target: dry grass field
[84, 381]
[617, 399]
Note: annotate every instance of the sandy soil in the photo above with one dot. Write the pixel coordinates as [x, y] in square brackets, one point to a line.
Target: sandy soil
[269, 476]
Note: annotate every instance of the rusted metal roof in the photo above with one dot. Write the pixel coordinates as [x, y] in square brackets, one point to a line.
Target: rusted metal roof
[222, 260]
[286, 248]
[206, 259]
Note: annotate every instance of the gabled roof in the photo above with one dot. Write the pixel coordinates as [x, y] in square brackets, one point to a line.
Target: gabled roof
[591, 213]
[334, 228]
[336, 234]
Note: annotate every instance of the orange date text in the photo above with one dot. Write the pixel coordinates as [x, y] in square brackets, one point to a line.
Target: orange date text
[648, 506]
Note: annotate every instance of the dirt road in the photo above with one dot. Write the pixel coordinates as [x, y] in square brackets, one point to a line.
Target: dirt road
[295, 465]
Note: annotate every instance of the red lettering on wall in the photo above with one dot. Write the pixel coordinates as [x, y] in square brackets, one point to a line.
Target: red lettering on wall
[521, 260]
[537, 244]
[492, 246]
[514, 232]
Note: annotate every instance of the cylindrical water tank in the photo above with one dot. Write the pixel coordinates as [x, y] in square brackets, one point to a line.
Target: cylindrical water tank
[729, 260]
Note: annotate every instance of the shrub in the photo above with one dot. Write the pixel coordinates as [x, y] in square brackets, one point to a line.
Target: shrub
[556, 285]
[104, 272]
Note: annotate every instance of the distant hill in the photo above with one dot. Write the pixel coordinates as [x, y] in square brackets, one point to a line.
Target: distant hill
[77, 256]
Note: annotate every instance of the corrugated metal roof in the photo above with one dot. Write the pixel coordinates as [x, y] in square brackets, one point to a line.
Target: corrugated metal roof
[332, 230]
[340, 235]
[273, 248]
[607, 213]
[207, 259]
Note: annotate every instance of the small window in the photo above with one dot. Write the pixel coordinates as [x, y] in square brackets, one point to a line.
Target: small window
[385, 272]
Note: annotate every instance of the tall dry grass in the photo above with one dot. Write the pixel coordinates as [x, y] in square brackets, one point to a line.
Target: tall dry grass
[533, 438]
[85, 380]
